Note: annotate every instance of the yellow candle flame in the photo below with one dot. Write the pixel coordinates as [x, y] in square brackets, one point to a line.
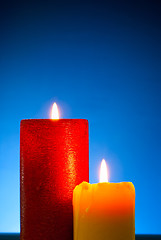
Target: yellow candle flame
[54, 112]
[103, 172]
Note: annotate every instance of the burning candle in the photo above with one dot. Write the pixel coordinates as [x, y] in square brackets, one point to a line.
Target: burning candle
[104, 210]
[54, 158]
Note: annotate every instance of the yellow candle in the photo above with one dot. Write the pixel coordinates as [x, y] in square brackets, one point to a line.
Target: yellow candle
[104, 211]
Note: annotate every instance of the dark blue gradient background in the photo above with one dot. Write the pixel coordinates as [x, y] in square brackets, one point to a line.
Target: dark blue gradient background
[98, 60]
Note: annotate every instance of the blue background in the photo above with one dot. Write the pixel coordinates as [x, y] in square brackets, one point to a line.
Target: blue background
[100, 61]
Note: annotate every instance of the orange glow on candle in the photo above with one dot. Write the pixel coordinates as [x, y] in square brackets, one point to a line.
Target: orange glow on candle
[54, 112]
[103, 172]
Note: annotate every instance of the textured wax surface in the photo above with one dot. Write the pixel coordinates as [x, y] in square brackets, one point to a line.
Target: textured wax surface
[54, 158]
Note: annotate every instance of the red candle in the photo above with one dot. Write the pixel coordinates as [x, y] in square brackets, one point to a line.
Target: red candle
[54, 158]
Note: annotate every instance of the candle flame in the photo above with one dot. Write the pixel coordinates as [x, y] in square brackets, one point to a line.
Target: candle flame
[54, 112]
[103, 172]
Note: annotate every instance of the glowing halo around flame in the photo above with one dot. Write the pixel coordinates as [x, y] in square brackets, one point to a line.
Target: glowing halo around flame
[54, 112]
[103, 172]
